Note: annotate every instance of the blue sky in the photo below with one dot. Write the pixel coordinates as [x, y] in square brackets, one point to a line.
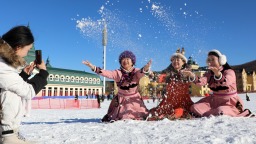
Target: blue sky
[70, 31]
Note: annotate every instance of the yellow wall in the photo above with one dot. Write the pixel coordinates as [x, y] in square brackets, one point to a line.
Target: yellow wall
[199, 90]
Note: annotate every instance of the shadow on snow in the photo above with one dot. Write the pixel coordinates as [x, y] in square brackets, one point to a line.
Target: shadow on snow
[66, 121]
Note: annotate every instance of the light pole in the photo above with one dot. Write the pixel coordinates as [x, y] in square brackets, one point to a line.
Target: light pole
[104, 43]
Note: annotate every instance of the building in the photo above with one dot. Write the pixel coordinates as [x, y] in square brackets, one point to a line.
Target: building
[110, 87]
[246, 76]
[192, 64]
[66, 82]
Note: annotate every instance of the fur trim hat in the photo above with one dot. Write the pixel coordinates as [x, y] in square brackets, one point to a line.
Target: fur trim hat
[222, 58]
[180, 54]
[127, 54]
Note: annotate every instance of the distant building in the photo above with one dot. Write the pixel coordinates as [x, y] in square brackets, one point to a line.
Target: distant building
[110, 87]
[192, 64]
[246, 76]
[66, 82]
[251, 81]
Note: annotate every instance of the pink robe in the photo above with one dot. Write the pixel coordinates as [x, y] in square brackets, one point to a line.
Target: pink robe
[224, 100]
[128, 103]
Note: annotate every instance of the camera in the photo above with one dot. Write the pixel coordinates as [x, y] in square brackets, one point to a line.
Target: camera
[38, 54]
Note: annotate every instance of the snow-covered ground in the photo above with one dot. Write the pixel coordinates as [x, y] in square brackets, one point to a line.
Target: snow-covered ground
[84, 126]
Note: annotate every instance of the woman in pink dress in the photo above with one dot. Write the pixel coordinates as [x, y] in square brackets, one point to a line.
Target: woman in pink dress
[127, 104]
[221, 80]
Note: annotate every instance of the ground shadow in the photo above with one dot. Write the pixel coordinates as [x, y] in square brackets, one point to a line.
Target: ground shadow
[76, 120]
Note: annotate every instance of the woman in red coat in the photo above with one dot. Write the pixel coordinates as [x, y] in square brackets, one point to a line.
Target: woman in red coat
[176, 101]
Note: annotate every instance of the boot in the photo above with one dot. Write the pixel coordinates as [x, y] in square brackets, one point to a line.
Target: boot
[105, 118]
[178, 112]
[14, 138]
[176, 115]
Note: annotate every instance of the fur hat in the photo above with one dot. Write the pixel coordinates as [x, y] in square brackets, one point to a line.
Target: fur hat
[127, 54]
[222, 58]
[180, 54]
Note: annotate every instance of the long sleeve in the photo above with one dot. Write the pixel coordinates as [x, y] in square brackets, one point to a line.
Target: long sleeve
[111, 74]
[24, 75]
[39, 80]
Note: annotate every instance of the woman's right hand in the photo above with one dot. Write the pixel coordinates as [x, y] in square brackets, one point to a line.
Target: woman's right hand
[187, 73]
[41, 66]
[87, 63]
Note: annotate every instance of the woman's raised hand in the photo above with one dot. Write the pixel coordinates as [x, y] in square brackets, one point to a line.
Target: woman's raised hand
[87, 63]
[147, 66]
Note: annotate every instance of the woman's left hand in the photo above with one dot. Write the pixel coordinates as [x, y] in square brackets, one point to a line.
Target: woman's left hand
[29, 68]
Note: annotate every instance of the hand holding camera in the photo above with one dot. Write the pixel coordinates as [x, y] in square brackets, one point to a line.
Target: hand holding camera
[38, 61]
[38, 54]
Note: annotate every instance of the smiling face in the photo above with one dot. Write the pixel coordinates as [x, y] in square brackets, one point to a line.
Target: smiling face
[126, 63]
[177, 63]
[23, 51]
[213, 61]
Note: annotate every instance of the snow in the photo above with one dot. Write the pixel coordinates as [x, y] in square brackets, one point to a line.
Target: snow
[83, 126]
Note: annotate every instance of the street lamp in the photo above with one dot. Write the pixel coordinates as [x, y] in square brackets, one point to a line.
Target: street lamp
[104, 43]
